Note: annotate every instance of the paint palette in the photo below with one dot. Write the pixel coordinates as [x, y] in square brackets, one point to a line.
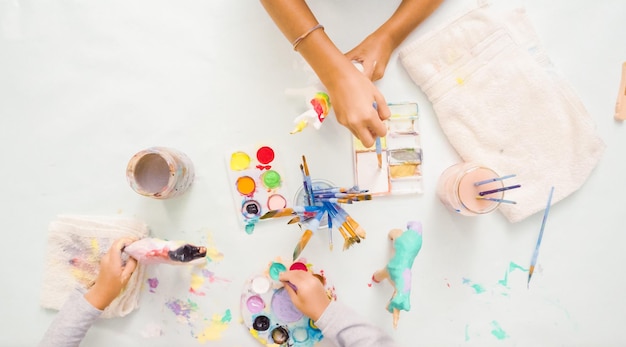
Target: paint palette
[270, 316]
[256, 183]
[399, 171]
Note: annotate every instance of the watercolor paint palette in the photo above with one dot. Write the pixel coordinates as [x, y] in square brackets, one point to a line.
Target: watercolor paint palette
[270, 316]
[256, 183]
[395, 168]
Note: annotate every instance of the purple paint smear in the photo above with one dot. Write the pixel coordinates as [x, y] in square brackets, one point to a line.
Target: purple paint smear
[153, 283]
[183, 309]
[283, 308]
[407, 280]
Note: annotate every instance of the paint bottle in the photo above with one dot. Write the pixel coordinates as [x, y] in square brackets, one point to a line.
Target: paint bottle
[457, 191]
[160, 172]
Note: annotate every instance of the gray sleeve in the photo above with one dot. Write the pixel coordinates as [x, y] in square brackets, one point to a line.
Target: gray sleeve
[345, 328]
[71, 323]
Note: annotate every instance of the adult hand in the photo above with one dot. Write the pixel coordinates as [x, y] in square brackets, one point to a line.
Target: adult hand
[353, 96]
[310, 298]
[373, 53]
[113, 275]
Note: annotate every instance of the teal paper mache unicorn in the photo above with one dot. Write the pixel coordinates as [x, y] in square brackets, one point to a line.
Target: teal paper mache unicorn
[406, 245]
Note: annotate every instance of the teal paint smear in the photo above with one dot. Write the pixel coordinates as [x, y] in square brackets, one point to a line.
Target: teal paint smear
[467, 332]
[276, 269]
[227, 316]
[512, 266]
[498, 332]
[478, 288]
[249, 228]
[505, 281]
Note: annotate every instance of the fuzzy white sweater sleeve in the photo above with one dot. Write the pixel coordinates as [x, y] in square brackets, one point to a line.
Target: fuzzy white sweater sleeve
[71, 323]
[345, 328]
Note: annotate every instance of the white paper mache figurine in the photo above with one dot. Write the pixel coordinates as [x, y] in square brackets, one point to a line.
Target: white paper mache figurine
[406, 245]
[156, 251]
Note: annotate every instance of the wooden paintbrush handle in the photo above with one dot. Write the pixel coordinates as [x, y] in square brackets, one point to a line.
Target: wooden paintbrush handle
[620, 105]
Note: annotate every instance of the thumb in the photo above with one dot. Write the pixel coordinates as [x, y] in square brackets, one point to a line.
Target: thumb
[285, 276]
[131, 265]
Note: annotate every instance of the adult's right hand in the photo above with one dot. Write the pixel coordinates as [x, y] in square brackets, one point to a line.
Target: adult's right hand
[353, 97]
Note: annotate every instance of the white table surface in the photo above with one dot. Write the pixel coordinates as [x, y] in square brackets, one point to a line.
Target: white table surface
[86, 84]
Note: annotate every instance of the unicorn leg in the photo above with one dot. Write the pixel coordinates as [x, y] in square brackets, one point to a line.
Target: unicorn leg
[396, 317]
[380, 275]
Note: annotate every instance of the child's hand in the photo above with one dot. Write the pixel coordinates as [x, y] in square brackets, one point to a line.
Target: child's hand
[310, 298]
[113, 275]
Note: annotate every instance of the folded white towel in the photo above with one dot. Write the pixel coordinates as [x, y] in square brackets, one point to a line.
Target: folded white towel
[75, 246]
[500, 102]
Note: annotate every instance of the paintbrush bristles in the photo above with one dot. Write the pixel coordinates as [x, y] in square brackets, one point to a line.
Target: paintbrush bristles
[347, 241]
[304, 239]
[357, 228]
[306, 167]
[278, 213]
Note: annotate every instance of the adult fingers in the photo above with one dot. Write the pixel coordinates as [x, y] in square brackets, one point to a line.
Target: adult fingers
[365, 135]
[382, 108]
[377, 129]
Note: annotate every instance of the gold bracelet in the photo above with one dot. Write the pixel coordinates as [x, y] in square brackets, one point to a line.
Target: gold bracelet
[297, 41]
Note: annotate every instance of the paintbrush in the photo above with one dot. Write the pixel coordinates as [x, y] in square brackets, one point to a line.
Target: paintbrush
[362, 197]
[283, 212]
[379, 152]
[289, 211]
[330, 233]
[346, 240]
[353, 196]
[304, 239]
[307, 190]
[332, 211]
[306, 236]
[379, 147]
[332, 190]
[496, 179]
[533, 261]
[355, 226]
[496, 200]
[492, 191]
[336, 200]
[307, 178]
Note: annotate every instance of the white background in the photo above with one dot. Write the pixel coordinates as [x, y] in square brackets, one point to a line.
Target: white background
[86, 84]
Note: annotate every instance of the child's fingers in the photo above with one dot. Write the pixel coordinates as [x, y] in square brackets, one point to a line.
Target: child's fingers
[129, 268]
[286, 276]
[114, 254]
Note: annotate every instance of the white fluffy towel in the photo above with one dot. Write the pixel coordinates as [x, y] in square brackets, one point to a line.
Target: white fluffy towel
[75, 246]
[500, 102]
